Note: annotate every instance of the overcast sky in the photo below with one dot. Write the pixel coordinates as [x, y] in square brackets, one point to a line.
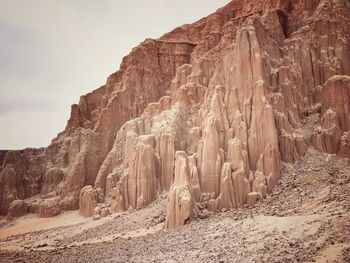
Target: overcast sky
[53, 51]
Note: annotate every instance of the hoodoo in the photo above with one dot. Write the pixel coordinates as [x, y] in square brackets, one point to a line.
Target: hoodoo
[208, 113]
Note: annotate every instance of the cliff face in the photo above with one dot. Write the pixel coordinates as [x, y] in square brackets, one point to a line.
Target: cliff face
[229, 92]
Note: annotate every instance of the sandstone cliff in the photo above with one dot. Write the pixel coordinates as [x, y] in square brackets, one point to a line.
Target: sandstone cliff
[230, 90]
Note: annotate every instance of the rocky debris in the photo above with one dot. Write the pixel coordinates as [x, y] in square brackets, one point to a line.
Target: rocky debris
[104, 212]
[232, 91]
[97, 213]
[344, 148]
[100, 212]
[117, 200]
[346, 254]
[304, 219]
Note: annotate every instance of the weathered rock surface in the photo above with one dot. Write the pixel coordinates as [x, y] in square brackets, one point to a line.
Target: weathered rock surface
[181, 204]
[17, 208]
[88, 201]
[142, 185]
[230, 90]
[51, 179]
[252, 198]
[332, 135]
[20, 176]
[49, 207]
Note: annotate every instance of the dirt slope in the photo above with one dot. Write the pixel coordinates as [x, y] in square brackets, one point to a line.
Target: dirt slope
[306, 218]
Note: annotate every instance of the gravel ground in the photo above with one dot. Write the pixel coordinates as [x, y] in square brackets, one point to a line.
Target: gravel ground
[305, 218]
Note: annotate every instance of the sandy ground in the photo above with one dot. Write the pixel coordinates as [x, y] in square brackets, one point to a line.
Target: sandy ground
[305, 219]
[31, 222]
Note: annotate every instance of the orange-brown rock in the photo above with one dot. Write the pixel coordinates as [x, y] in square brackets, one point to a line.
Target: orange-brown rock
[117, 199]
[336, 96]
[331, 135]
[142, 184]
[21, 176]
[235, 185]
[327, 136]
[210, 159]
[252, 198]
[87, 201]
[51, 179]
[228, 197]
[49, 207]
[194, 178]
[231, 91]
[166, 152]
[181, 205]
[17, 208]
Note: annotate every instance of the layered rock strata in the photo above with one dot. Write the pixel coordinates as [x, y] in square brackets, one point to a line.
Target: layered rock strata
[208, 113]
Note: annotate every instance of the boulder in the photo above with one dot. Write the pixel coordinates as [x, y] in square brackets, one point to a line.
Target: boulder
[49, 207]
[87, 201]
[252, 198]
[17, 208]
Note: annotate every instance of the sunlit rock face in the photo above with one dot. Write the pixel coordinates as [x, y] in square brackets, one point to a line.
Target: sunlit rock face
[206, 113]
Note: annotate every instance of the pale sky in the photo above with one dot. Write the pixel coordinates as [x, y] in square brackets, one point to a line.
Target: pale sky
[54, 51]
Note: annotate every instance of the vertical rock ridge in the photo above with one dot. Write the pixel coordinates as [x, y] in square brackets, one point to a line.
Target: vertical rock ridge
[209, 113]
[180, 205]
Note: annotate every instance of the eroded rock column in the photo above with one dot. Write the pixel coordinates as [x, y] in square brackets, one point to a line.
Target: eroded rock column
[181, 204]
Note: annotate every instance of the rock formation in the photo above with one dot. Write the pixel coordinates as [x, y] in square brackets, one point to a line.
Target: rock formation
[17, 208]
[332, 135]
[88, 201]
[21, 176]
[49, 207]
[181, 203]
[230, 91]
